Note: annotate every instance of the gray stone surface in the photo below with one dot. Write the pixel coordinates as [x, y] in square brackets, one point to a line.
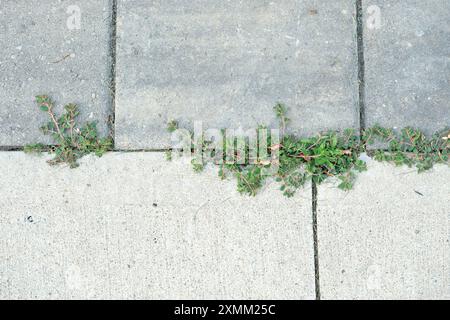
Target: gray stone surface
[136, 226]
[39, 54]
[227, 63]
[388, 238]
[408, 65]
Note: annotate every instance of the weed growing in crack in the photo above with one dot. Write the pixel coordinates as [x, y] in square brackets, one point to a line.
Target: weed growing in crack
[329, 154]
[299, 160]
[410, 147]
[71, 141]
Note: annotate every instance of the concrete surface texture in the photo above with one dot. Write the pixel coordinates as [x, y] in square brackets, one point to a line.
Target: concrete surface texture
[52, 47]
[135, 226]
[407, 60]
[388, 238]
[131, 225]
[227, 63]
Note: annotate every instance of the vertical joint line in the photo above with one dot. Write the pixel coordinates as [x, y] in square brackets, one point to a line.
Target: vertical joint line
[315, 240]
[361, 64]
[113, 50]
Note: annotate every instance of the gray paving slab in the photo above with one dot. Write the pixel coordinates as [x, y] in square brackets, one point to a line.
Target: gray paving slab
[407, 60]
[388, 238]
[227, 63]
[134, 226]
[42, 51]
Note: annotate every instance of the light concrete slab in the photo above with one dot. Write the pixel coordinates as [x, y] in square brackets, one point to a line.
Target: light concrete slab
[133, 226]
[407, 60]
[44, 50]
[227, 63]
[388, 238]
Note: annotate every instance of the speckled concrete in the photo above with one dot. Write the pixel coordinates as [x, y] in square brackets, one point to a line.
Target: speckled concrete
[134, 226]
[388, 238]
[227, 63]
[39, 54]
[407, 62]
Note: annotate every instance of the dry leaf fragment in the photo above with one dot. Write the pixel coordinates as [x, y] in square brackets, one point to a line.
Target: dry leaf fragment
[265, 162]
[275, 147]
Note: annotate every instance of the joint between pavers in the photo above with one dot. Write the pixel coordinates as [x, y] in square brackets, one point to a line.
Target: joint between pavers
[315, 240]
[48, 147]
[11, 148]
[140, 150]
[113, 51]
[361, 65]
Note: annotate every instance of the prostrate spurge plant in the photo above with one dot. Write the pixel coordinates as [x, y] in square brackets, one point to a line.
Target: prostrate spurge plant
[71, 141]
[329, 154]
[410, 147]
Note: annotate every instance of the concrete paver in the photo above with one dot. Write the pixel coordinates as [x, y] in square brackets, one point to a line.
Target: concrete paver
[388, 238]
[44, 50]
[227, 63]
[407, 61]
[135, 226]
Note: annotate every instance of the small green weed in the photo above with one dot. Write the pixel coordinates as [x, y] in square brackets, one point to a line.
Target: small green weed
[172, 125]
[71, 141]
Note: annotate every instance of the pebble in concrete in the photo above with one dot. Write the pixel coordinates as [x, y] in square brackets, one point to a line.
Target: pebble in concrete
[52, 47]
[388, 238]
[227, 63]
[136, 226]
[407, 59]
